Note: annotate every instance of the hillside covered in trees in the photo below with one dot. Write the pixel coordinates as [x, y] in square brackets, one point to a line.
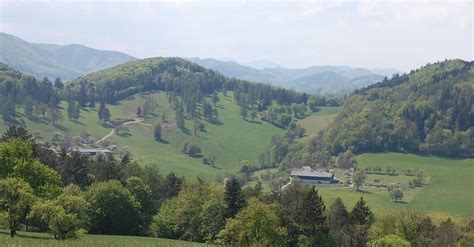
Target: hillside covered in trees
[178, 76]
[429, 110]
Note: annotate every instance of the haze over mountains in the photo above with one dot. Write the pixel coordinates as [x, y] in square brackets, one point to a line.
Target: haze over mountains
[315, 79]
[51, 60]
[71, 61]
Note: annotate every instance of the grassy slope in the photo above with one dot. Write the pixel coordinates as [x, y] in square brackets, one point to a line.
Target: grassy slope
[42, 239]
[448, 193]
[317, 121]
[232, 141]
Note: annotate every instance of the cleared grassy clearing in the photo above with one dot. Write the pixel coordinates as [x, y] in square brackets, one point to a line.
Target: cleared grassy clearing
[317, 121]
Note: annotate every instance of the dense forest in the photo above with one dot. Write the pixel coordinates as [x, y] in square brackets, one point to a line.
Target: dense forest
[69, 195]
[429, 110]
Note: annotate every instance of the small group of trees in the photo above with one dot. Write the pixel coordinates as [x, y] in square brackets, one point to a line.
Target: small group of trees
[103, 113]
[73, 110]
[192, 149]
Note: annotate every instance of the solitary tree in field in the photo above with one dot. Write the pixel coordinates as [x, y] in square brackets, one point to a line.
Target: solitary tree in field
[158, 132]
[358, 179]
[139, 111]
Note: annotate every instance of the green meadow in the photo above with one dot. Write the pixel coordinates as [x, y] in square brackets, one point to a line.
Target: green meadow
[448, 189]
[317, 121]
[27, 239]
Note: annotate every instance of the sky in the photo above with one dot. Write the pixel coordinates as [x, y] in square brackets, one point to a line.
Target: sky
[373, 34]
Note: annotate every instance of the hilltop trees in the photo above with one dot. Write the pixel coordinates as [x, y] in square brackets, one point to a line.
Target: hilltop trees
[425, 111]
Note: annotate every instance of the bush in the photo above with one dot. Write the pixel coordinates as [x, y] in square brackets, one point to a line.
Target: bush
[193, 150]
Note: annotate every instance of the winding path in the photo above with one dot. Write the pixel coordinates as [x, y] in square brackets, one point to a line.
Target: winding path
[112, 132]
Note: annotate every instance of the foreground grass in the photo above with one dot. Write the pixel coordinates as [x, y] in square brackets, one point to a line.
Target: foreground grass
[449, 192]
[42, 239]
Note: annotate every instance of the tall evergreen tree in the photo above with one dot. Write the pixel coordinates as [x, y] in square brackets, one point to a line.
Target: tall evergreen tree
[314, 219]
[233, 197]
[338, 222]
[361, 218]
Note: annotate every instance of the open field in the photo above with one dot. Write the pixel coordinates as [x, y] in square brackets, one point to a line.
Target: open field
[449, 192]
[27, 239]
[317, 121]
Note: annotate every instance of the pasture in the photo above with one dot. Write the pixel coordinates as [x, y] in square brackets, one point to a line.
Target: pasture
[448, 189]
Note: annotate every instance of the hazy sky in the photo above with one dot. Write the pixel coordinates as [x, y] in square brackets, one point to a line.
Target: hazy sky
[401, 35]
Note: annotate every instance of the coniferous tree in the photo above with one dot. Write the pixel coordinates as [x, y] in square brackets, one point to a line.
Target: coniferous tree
[158, 132]
[71, 106]
[139, 111]
[361, 218]
[338, 222]
[233, 197]
[314, 219]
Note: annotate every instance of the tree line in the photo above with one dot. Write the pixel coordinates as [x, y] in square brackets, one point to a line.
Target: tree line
[69, 195]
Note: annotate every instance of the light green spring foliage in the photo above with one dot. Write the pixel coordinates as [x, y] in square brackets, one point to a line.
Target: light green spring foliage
[16, 160]
[16, 198]
[114, 210]
[389, 241]
[257, 224]
[195, 214]
[66, 216]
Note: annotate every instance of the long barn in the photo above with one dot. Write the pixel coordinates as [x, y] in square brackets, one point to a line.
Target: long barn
[308, 175]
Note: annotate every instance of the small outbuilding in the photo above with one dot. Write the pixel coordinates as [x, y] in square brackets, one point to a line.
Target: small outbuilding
[308, 175]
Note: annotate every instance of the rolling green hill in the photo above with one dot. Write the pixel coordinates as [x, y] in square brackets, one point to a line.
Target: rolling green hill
[172, 84]
[50, 60]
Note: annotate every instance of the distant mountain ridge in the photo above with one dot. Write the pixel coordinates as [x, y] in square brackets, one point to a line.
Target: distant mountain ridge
[315, 79]
[51, 60]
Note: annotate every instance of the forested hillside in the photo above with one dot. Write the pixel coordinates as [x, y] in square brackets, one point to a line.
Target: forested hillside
[51, 60]
[177, 76]
[429, 110]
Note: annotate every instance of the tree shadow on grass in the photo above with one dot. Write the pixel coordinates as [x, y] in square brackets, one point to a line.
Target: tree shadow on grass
[400, 202]
[363, 191]
[78, 122]
[163, 141]
[252, 121]
[61, 127]
[186, 131]
[26, 236]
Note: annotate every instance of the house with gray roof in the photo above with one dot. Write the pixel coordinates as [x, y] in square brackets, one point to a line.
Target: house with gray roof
[308, 175]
